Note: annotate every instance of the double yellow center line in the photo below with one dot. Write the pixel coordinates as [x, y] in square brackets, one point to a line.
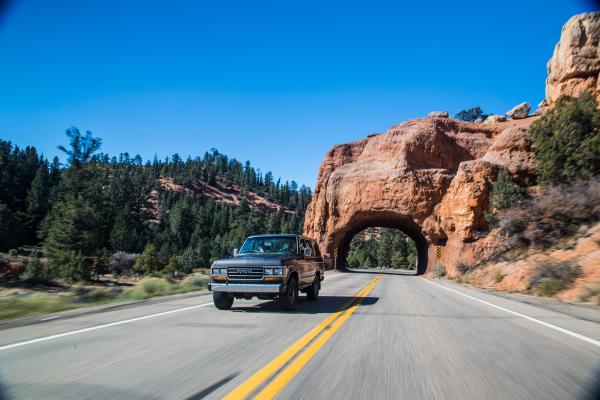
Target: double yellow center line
[334, 322]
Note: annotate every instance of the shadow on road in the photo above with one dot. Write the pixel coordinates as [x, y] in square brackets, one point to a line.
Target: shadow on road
[325, 305]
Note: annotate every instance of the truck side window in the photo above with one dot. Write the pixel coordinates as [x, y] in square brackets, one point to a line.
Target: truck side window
[316, 251]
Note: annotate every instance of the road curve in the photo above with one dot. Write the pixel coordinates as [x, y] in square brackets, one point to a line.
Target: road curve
[370, 336]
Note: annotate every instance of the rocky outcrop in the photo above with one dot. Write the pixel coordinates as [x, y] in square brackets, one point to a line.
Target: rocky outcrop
[494, 119]
[519, 111]
[575, 63]
[439, 114]
[432, 177]
[429, 177]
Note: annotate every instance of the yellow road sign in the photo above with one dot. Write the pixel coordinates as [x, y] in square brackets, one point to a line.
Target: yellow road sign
[335, 253]
[438, 253]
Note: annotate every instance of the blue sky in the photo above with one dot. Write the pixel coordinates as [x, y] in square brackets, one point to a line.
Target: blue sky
[275, 82]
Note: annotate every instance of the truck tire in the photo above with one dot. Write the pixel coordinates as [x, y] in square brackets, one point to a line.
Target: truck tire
[222, 300]
[312, 293]
[287, 300]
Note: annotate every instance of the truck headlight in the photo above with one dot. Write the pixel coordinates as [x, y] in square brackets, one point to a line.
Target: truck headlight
[268, 271]
[219, 271]
[278, 271]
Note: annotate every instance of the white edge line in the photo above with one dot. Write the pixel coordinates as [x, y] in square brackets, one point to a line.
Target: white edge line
[93, 328]
[537, 321]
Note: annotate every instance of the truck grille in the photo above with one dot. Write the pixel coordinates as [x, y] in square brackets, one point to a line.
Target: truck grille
[245, 273]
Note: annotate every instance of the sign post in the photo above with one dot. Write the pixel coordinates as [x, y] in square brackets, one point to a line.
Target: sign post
[335, 254]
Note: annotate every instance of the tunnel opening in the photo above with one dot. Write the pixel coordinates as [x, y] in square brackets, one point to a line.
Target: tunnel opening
[362, 222]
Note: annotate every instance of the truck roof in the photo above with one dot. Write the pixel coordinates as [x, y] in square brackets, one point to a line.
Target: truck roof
[279, 235]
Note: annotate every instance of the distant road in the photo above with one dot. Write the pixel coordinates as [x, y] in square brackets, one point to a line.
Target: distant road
[370, 336]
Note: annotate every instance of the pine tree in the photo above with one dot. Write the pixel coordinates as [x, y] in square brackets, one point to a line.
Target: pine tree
[505, 194]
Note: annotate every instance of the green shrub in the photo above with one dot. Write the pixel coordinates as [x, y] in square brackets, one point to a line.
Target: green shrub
[471, 115]
[552, 277]
[194, 282]
[95, 295]
[549, 287]
[505, 194]
[567, 140]
[147, 262]
[13, 252]
[34, 271]
[149, 287]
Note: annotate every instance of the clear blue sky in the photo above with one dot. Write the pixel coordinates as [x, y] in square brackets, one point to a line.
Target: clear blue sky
[275, 82]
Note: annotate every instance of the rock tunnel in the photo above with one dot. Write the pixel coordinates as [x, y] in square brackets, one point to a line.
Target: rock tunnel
[429, 178]
[384, 219]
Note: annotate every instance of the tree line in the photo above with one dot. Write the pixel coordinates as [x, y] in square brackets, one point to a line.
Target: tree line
[382, 248]
[95, 206]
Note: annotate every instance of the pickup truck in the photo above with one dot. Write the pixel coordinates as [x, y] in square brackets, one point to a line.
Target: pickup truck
[268, 267]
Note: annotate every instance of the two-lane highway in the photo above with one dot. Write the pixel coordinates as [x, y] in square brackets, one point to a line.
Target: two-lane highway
[369, 336]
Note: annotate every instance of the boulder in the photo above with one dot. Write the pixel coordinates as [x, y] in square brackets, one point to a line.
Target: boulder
[575, 63]
[439, 114]
[519, 111]
[494, 119]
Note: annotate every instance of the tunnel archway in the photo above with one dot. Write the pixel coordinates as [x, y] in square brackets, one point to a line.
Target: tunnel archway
[384, 219]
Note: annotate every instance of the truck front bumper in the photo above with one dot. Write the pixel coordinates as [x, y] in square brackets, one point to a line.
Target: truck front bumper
[246, 287]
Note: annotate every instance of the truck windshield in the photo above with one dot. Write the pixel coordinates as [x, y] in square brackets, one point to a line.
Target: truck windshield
[270, 244]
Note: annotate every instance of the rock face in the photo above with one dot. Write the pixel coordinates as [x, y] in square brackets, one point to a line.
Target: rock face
[519, 111]
[439, 114]
[429, 177]
[575, 64]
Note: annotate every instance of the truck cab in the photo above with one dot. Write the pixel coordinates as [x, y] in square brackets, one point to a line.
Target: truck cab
[270, 266]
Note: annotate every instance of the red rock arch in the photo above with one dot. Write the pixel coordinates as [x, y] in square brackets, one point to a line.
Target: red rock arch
[429, 178]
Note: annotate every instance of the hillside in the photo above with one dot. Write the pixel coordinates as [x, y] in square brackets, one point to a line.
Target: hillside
[187, 211]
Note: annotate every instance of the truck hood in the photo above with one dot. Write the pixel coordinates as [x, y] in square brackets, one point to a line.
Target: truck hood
[255, 260]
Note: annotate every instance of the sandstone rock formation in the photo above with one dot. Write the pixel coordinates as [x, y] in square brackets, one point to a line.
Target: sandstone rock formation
[432, 177]
[429, 177]
[494, 119]
[575, 64]
[519, 111]
[439, 114]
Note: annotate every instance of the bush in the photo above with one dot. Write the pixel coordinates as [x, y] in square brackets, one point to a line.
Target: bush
[147, 262]
[471, 115]
[557, 212]
[13, 252]
[95, 295]
[462, 267]
[194, 282]
[149, 287]
[567, 140]
[34, 271]
[121, 263]
[549, 287]
[505, 194]
[551, 277]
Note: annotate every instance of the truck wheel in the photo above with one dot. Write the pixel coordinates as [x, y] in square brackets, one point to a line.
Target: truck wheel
[222, 300]
[287, 300]
[313, 291]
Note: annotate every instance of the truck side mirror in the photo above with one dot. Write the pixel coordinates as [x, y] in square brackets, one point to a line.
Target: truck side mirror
[307, 252]
[235, 252]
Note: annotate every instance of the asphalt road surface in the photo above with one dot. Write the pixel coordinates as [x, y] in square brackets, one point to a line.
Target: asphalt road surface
[370, 336]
